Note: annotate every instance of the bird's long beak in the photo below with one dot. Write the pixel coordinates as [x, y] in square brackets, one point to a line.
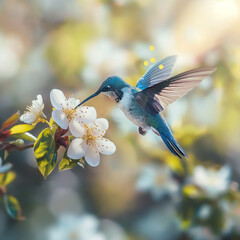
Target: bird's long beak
[92, 96]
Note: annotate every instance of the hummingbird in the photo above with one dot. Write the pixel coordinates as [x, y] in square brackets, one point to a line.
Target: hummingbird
[154, 91]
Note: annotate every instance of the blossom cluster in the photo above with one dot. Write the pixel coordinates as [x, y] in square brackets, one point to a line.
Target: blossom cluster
[82, 122]
[204, 193]
[76, 128]
[158, 181]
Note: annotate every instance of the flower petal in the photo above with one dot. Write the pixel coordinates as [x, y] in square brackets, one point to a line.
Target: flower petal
[99, 127]
[86, 115]
[200, 174]
[105, 146]
[60, 118]
[77, 148]
[37, 105]
[5, 167]
[77, 129]
[72, 103]
[28, 117]
[224, 172]
[92, 156]
[58, 99]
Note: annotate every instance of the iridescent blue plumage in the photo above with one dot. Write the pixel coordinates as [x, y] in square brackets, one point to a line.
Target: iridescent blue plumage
[153, 93]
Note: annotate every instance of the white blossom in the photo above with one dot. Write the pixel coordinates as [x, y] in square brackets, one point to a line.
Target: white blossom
[89, 141]
[213, 182]
[65, 114]
[4, 167]
[34, 112]
[157, 180]
[85, 227]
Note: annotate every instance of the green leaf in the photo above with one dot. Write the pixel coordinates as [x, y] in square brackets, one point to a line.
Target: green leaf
[25, 136]
[21, 128]
[10, 121]
[13, 207]
[44, 147]
[67, 163]
[47, 169]
[7, 178]
[45, 151]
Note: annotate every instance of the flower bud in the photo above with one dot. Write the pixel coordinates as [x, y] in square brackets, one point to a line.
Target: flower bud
[17, 142]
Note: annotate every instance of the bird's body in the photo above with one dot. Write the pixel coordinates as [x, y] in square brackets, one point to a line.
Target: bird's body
[126, 100]
[132, 110]
[154, 91]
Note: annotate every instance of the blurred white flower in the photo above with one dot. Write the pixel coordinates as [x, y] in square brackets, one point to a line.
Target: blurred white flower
[157, 180]
[89, 141]
[213, 182]
[69, 227]
[34, 112]
[201, 233]
[204, 211]
[4, 167]
[84, 227]
[64, 113]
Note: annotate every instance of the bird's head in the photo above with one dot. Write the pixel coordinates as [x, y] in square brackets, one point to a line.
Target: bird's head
[111, 87]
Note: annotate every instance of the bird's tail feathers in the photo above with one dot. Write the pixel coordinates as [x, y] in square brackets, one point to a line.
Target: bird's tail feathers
[171, 142]
[173, 146]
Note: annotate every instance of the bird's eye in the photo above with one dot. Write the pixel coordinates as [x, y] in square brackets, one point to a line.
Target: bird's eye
[107, 88]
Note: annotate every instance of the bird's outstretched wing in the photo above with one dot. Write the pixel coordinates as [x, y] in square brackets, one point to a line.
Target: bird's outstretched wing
[159, 72]
[156, 98]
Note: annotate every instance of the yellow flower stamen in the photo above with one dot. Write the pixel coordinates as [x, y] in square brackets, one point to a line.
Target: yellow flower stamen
[69, 113]
[89, 137]
[72, 111]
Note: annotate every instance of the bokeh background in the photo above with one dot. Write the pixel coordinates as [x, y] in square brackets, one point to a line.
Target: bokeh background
[142, 191]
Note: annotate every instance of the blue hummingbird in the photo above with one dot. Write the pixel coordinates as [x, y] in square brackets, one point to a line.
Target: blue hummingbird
[154, 91]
